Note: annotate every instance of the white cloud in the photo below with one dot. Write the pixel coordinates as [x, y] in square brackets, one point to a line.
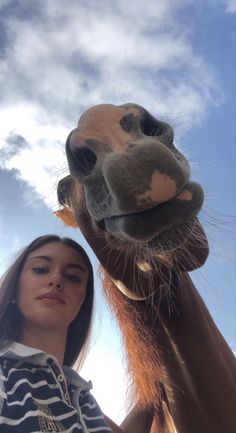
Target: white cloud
[62, 60]
[95, 51]
[4, 3]
[230, 6]
[42, 162]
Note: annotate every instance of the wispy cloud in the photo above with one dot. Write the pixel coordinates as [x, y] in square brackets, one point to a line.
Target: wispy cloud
[34, 149]
[99, 51]
[230, 6]
[59, 60]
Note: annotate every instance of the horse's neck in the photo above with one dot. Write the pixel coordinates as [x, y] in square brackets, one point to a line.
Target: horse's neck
[201, 369]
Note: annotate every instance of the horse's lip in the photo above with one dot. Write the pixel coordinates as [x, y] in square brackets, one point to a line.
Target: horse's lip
[158, 207]
[102, 223]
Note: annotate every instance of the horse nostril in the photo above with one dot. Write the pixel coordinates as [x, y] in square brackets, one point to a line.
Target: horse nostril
[86, 160]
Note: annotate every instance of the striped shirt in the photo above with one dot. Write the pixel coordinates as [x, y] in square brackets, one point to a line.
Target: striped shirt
[38, 395]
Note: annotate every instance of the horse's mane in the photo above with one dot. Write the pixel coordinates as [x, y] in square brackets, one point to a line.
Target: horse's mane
[139, 324]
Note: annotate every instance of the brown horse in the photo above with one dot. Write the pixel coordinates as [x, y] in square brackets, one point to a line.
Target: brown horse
[131, 196]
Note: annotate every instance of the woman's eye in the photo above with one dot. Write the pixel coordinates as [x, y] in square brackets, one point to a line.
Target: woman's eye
[72, 277]
[40, 270]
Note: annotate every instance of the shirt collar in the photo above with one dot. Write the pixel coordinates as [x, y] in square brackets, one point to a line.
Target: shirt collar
[18, 351]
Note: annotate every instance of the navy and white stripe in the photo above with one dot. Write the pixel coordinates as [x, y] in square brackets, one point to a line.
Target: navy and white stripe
[37, 395]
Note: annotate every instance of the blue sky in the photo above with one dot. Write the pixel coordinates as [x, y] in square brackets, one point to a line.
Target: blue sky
[178, 60]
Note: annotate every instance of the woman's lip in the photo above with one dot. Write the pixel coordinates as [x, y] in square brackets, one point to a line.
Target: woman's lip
[51, 299]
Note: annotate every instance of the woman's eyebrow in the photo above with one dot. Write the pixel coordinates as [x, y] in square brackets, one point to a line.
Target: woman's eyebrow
[68, 265]
[47, 258]
[76, 266]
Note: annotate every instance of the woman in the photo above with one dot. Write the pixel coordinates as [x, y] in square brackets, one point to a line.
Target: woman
[46, 303]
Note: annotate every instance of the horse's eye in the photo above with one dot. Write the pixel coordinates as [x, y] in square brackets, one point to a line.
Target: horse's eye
[62, 198]
[86, 159]
[63, 192]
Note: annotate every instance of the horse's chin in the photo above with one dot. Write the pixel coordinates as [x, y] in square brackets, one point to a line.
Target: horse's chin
[184, 245]
[173, 239]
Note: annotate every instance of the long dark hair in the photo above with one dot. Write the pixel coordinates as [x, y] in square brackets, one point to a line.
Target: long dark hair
[11, 319]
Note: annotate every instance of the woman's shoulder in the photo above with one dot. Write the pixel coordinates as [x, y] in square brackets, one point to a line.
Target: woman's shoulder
[73, 378]
[19, 352]
[13, 349]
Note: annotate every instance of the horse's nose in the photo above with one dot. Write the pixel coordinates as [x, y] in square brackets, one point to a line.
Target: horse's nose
[148, 171]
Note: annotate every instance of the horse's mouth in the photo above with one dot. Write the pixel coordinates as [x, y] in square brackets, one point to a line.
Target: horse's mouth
[155, 223]
[109, 220]
[168, 240]
[151, 227]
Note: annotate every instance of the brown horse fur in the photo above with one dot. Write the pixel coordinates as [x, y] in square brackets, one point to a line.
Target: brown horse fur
[130, 194]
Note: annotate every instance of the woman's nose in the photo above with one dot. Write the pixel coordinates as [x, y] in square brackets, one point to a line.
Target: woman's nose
[56, 281]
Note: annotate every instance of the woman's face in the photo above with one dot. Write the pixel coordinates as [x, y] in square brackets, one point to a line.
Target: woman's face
[52, 286]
